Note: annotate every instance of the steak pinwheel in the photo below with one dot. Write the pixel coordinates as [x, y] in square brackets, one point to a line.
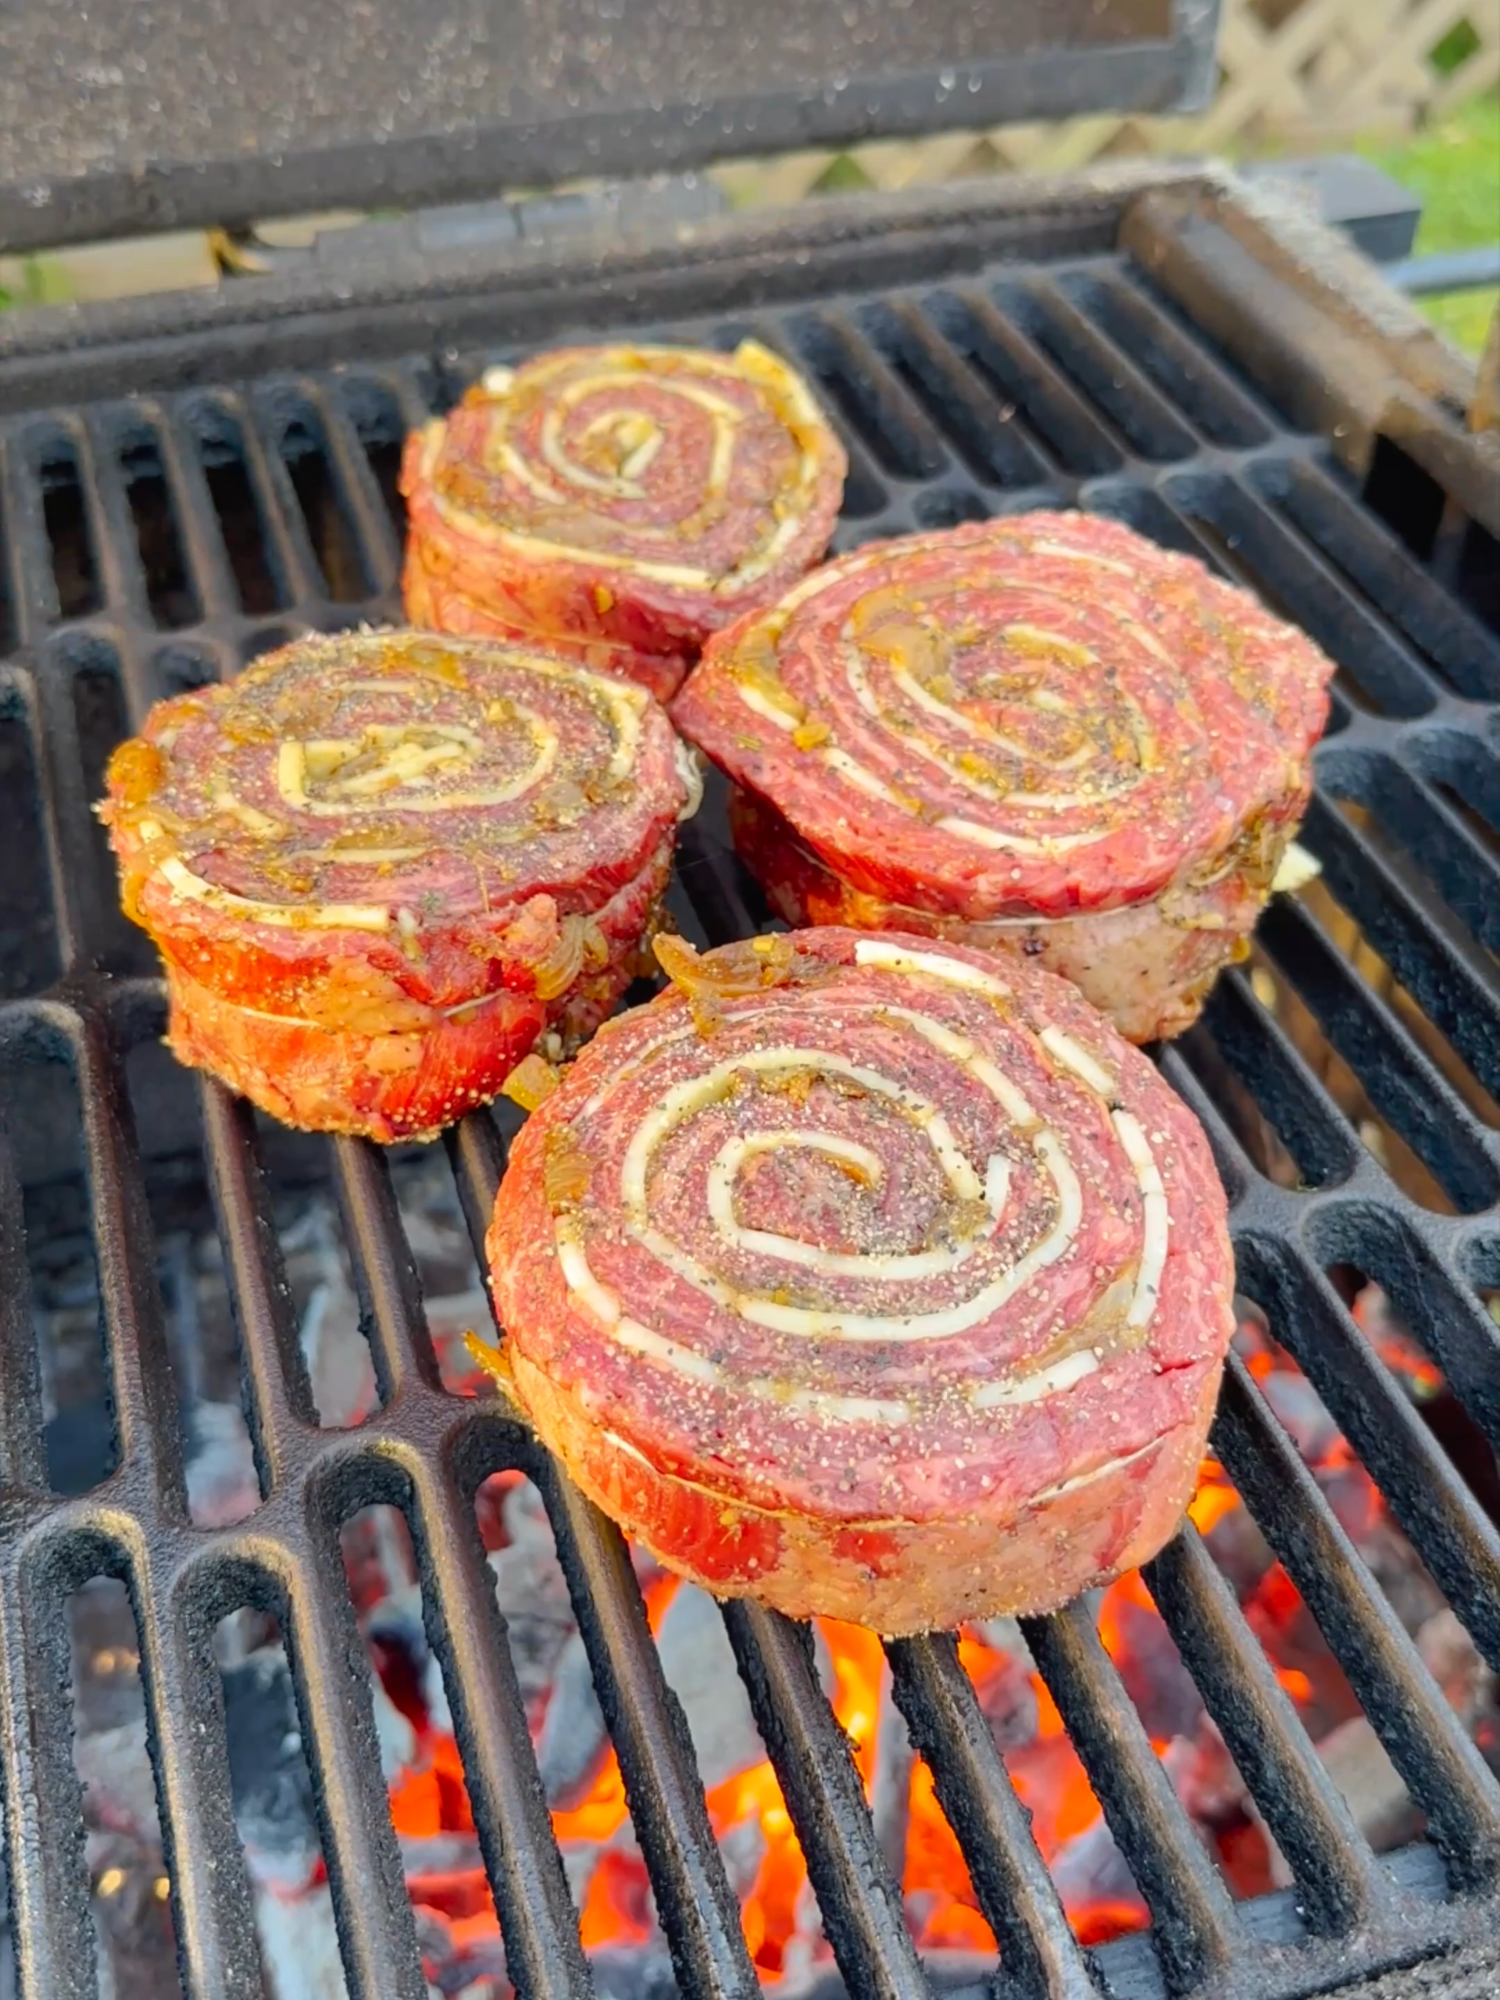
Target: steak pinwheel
[869, 1277]
[1041, 732]
[379, 866]
[623, 502]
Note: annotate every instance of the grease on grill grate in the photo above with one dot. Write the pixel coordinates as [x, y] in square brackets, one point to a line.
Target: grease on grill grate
[471, 1740]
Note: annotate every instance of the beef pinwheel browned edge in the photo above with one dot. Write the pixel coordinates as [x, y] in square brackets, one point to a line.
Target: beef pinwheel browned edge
[619, 502]
[379, 866]
[870, 1277]
[1041, 733]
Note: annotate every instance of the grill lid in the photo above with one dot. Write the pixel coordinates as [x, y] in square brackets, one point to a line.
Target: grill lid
[158, 116]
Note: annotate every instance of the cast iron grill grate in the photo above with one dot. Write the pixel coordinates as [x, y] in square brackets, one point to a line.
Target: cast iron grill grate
[155, 545]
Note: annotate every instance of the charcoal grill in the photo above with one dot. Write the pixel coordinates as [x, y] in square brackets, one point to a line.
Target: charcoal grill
[185, 483]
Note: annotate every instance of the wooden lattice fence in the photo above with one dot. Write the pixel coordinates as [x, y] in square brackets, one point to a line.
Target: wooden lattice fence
[1293, 71]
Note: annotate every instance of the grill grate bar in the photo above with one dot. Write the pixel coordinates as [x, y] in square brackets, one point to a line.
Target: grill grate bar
[896, 427]
[1450, 1530]
[144, 1395]
[1341, 1882]
[1442, 1311]
[823, 1793]
[984, 435]
[1456, 994]
[645, 1724]
[358, 492]
[1443, 1771]
[543, 1955]
[1275, 562]
[385, 1274]
[213, 1918]
[1363, 552]
[1112, 393]
[280, 1397]
[1015, 1891]
[23, 1460]
[67, 899]
[1144, 419]
[1401, 1080]
[193, 509]
[49, 1898]
[1234, 1166]
[649, 1732]
[31, 589]
[1197, 1930]
[1283, 1084]
[1463, 866]
[1180, 368]
[296, 565]
[377, 1938]
[110, 528]
[1069, 430]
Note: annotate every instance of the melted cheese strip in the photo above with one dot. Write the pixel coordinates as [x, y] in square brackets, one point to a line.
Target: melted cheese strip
[183, 883]
[891, 1267]
[990, 740]
[1014, 1389]
[404, 773]
[1154, 1203]
[1130, 1297]
[619, 373]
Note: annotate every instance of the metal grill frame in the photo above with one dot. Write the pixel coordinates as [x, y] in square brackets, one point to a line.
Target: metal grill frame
[1215, 466]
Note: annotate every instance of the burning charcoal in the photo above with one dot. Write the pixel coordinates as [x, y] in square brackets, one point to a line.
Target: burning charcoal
[393, 1732]
[579, 1858]
[1007, 1698]
[573, 1743]
[625, 1973]
[525, 1515]
[1356, 1760]
[397, 1636]
[1204, 1777]
[1454, 1662]
[1149, 1664]
[337, 1356]
[1401, 1574]
[806, 1945]
[299, 1946]
[1240, 1551]
[1003, 1635]
[532, 1593]
[699, 1665]
[222, 1484]
[132, 1918]
[1301, 1413]
[1090, 1869]
[743, 1847]
[268, 1775]
[890, 1789]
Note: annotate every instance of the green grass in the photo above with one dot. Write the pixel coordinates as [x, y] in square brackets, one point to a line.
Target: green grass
[1454, 168]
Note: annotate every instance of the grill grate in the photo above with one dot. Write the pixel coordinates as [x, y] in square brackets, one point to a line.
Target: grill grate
[157, 544]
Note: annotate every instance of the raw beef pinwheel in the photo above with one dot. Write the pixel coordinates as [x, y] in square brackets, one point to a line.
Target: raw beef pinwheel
[622, 501]
[379, 866]
[869, 1277]
[1041, 732]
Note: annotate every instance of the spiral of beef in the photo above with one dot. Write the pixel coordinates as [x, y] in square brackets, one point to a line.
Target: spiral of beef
[870, 1277]
[620, 502]
[379, 866]
[1043, 733]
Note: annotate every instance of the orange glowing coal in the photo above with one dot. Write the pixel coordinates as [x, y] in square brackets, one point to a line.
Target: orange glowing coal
[430, 1798]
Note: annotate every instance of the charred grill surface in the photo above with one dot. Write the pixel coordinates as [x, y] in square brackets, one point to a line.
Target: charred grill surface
[1347, 1079]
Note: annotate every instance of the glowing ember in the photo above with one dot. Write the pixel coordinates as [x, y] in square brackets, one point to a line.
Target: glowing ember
[429, 1800]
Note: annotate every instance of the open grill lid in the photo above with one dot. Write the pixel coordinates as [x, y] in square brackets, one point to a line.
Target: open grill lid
[161, 114]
